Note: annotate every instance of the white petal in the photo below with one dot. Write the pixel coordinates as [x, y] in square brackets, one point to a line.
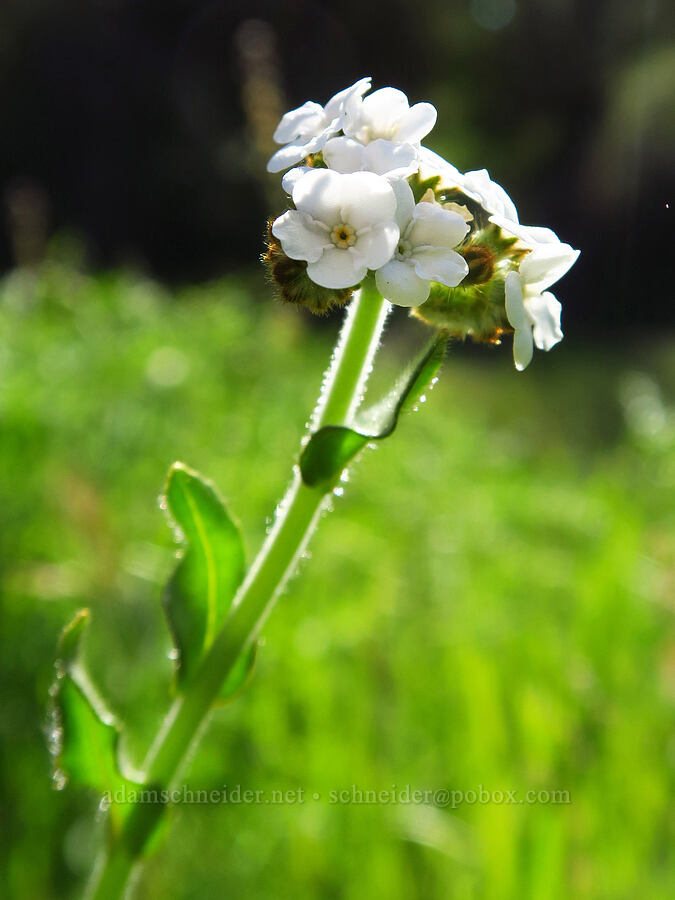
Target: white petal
[305, 121]
[286, 156]
[513, 227]
[535, 234]
[500, 200]
[351, 115]
[434, 226]
[398, 282]
[344, 154]
[319, 193]
[338, 103]
[515, 313]
[295, 151]
[384, 157]
[290, 179]
[405, 203]
[515, 308]
[440, 264]
[337, 268]
[530, 235]
[416, 123]
[382, 111]
[377, 245]
[367, 199]
[547, 263]
[489, 194]
[432, 164]
[300, 236]
[523, 348]
[544, 313]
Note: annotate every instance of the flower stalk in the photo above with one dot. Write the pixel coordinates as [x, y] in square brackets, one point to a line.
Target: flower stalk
[296, 520]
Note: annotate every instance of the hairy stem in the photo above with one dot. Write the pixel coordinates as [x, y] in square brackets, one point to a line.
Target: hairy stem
[295, 522]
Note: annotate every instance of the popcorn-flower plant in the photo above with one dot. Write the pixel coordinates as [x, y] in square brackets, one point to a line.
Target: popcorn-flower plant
[374, 219]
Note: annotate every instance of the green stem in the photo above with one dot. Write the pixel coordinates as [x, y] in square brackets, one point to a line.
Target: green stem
[295, 522]
[352, 360]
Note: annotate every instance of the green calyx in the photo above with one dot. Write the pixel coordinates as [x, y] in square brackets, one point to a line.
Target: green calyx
[476, 308]
[475, 311]
[292, 283]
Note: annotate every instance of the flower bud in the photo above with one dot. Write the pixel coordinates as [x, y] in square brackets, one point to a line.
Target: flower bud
[475, 311]
[476, 308]
[292, 283]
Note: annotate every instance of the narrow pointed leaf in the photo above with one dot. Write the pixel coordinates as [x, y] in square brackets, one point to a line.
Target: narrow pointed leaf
[84, 734]
[200, 592]
[332, 447]
[90, 735]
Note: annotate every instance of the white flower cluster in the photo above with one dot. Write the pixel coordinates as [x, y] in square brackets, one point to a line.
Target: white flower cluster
[355, 211]
[533, 315]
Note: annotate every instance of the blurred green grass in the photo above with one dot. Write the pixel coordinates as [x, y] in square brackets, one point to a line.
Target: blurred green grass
[489, 605]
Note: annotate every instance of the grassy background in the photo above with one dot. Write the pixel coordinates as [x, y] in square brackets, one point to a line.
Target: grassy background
[489, 605]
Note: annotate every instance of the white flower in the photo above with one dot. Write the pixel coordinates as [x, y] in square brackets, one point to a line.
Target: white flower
[387, 114]
[534, 313]
[306, 129]
[424, 251]
[342, 226]
[396, 160]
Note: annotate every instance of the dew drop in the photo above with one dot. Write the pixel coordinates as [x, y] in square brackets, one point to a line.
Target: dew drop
[53, 730]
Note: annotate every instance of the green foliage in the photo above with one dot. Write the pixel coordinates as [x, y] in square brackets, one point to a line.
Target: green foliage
[200, 591]
[328, 452]
[89, 751]
[84, 734]
[489, 604]
[332, 447]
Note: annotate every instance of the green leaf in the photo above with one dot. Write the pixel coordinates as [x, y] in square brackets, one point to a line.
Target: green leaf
[88, 752]
[83, 733]
[332, 447]
[200, 592]
[328, 452]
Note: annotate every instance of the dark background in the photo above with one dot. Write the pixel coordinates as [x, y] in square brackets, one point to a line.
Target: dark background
[143, 127]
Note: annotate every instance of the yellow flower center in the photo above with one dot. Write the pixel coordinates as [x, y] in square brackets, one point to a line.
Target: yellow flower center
[343, 236]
